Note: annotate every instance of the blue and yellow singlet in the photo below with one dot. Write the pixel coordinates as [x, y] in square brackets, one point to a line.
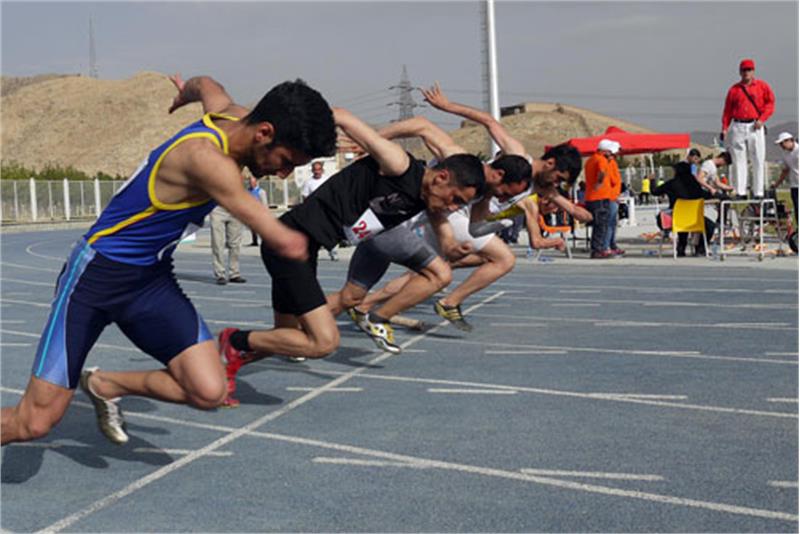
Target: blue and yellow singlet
[136, 227]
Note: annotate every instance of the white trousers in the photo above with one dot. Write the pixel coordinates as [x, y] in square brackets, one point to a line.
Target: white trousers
[745, 141]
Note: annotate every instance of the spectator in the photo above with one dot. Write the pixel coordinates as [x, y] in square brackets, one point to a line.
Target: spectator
[693, 158]
[226, 232]
[707, 176]
[259, 195]
[644, 194]
[318, 178]
[685, 186]
[748, 105]
[790, 152]
[610, 242]
[598, 194]
[581, 196]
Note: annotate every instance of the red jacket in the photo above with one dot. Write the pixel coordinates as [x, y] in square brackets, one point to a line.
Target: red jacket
[738, 106]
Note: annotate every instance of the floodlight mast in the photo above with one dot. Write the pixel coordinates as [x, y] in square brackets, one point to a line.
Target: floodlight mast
[491, 65]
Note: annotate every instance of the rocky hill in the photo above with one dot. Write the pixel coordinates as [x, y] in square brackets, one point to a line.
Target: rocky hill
[110, 125]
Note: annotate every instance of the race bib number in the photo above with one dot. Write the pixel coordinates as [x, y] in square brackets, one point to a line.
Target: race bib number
[365, 227]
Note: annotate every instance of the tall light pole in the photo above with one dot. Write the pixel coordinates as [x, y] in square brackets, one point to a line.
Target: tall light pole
[491, 67]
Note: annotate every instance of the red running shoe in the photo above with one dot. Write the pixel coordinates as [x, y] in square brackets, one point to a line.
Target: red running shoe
[233, 360]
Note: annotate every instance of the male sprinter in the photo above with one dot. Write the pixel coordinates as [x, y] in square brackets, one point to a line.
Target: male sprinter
[373, 194]
[121, 270]
[405, 245]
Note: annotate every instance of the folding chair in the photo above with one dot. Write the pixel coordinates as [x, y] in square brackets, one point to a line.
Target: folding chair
[688, 216]
[562, 230]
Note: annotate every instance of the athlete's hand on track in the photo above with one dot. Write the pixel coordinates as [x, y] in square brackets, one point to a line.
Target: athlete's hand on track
[561, 246]
[179, 84]
[292, 245]
[435, 97]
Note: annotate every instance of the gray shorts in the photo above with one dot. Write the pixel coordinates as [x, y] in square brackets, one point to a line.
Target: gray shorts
[400, 245]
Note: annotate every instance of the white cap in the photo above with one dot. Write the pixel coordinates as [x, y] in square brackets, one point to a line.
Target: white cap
[608, 145]
[783, 137]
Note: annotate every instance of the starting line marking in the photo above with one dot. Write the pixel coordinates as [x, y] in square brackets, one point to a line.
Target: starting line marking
[536, 352]
[339, 390]
[592, 474]
[365, 463]
[782, 484]
[476, 391]
[142, 450]
[782, 399]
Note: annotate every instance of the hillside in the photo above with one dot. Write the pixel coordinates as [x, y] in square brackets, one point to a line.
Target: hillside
[110, 125]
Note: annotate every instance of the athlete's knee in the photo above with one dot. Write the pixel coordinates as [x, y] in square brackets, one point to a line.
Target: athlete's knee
[323, 344]
[208, 396]
[36, 424]
[506, 261]
[439, 272]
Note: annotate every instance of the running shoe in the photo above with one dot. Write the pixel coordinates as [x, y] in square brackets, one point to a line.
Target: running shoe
[297, 359]
[383, 336]
[359, 318]
[109, 415]
[233, 360]
[452, 314]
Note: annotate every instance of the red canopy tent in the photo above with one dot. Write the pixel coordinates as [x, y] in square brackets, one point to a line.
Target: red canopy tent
[631, 143]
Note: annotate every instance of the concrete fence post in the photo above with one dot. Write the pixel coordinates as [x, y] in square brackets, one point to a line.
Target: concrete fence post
[16, 202]
[97, 207]
[66, 199]
[34, 213]
[285, 193]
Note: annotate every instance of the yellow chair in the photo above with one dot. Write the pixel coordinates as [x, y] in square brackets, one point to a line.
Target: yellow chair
[688, 216]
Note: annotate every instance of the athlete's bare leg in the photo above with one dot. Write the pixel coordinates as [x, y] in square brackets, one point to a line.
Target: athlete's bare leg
[317, 336]
[385, 293]
[498, 261]
[435, 276]
[42, 406]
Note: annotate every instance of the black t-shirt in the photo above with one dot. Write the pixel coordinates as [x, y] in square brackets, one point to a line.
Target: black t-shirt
[359, 200]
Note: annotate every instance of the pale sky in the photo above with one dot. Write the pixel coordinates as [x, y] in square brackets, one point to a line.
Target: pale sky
[664, 65]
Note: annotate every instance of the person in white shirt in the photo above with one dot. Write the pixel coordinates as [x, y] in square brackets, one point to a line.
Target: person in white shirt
[790, 154]
[707, 175]
[317, 179]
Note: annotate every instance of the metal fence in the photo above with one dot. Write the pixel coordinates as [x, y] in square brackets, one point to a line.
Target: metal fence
[23, 201]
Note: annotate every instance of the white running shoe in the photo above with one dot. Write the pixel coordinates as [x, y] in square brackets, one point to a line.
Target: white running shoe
[109, 415]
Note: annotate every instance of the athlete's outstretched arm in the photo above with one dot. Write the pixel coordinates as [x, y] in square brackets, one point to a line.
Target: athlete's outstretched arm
[535, 237]
[578, 213]
[219, 176]
[391, 157]
[497, 131]
[436, 139]
[206, 90]
[452, 249]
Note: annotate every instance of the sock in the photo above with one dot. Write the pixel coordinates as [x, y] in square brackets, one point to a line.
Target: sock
[239, 341]
[375, 318]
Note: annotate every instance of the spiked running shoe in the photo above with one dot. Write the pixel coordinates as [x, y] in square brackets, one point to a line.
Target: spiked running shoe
[452, 314]
[109, 415]
[359, 318]
[383, 336]
[233, 360]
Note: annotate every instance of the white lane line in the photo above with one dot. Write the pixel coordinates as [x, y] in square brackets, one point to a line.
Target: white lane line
[27, 282]
[592, 474]
[142, 450]
[365, 463]
[29, 267]
[663, 303]
[675, 354]
[404, 460]
[575, 305]
[12, 321]
[473, 391]
[232, 322]
[781, 353]
[26, 303]
[639, 396]
[575, 288]
[4, 344]
[580, 395]
[338, 390]
[227, 299]
[782, 484]
[30, 251]
[782, 399]
[534, 352]
[155, 450]
[262, 305]
[576, 291]
[521, 325]
[71, 519]
[99, 345]
[625, 322]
